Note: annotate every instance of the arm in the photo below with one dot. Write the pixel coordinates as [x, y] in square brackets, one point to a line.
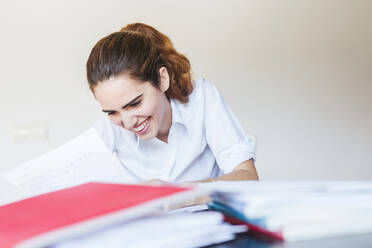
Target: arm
[244, 171]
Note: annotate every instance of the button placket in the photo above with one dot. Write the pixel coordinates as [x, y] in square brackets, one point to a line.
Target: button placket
[173, 151]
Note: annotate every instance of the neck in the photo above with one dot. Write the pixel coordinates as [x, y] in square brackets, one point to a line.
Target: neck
[167, 122]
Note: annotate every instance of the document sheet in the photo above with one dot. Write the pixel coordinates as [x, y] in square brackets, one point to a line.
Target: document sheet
[299, 210]
[83, 159]
[181, 230]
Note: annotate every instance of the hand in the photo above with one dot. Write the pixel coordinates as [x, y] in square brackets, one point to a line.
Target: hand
[189, 202]
[154, 182]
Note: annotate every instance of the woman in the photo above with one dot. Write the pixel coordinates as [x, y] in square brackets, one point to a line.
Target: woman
[163, 126]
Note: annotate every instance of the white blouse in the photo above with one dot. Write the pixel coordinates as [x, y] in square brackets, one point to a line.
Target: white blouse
[205, 140]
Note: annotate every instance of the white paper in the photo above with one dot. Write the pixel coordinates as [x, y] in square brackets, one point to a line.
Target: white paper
[301, 210]
[83, 159]
[289, 187]
[9, 193]
[191, 209]
[169, 230]
[267, 198]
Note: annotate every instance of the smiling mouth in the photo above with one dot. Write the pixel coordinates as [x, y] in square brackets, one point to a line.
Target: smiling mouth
[142, 128]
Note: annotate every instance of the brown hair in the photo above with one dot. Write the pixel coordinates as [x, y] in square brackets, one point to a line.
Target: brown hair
[139, 51]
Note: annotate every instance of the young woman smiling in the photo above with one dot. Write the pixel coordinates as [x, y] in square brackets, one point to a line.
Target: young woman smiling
[163, 125]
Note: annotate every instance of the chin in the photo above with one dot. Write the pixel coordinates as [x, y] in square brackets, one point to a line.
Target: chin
[147, 136]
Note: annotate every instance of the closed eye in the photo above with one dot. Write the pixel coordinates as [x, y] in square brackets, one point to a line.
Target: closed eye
[134, 104]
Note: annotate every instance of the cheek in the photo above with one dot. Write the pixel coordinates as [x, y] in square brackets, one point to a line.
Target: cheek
[154, 111]
[149, 108]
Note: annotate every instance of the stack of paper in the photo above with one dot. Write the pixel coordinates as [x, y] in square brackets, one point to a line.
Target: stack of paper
[295, 211]
[61, 206]
[182, 230]
[46, 219]
[110, 215]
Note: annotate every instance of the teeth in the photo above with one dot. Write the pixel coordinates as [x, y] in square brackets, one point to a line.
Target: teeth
[140, 128]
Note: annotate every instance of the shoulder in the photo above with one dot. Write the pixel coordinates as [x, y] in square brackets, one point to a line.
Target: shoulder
[205, 86]
[204, 95]
[203, 89]
[197, 97]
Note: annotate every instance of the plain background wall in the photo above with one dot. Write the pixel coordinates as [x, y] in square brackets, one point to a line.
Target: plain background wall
[298, 74]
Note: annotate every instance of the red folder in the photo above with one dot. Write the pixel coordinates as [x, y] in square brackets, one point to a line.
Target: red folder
[46, 219]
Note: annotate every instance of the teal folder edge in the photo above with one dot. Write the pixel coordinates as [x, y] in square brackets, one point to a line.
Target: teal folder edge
[254, 225]
[234, 213]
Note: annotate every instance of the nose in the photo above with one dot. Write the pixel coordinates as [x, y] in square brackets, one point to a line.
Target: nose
[127, 119]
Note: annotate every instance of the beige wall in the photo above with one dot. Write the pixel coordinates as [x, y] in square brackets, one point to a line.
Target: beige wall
[298, 74]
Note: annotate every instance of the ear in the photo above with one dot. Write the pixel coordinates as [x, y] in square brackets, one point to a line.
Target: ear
[164, 79]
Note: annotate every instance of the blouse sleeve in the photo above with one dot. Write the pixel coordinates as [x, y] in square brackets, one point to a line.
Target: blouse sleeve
[224, 134]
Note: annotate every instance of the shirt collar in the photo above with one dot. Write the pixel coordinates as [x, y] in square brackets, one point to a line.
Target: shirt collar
[176, 112]
[176, 117]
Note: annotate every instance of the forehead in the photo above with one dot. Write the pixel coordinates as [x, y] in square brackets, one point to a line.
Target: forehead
[115, 92]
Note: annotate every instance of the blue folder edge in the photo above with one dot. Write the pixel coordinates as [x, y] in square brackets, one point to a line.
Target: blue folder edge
[215, 205]
[254, 225]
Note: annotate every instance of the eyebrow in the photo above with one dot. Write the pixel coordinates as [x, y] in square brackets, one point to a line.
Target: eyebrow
[125, 106]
